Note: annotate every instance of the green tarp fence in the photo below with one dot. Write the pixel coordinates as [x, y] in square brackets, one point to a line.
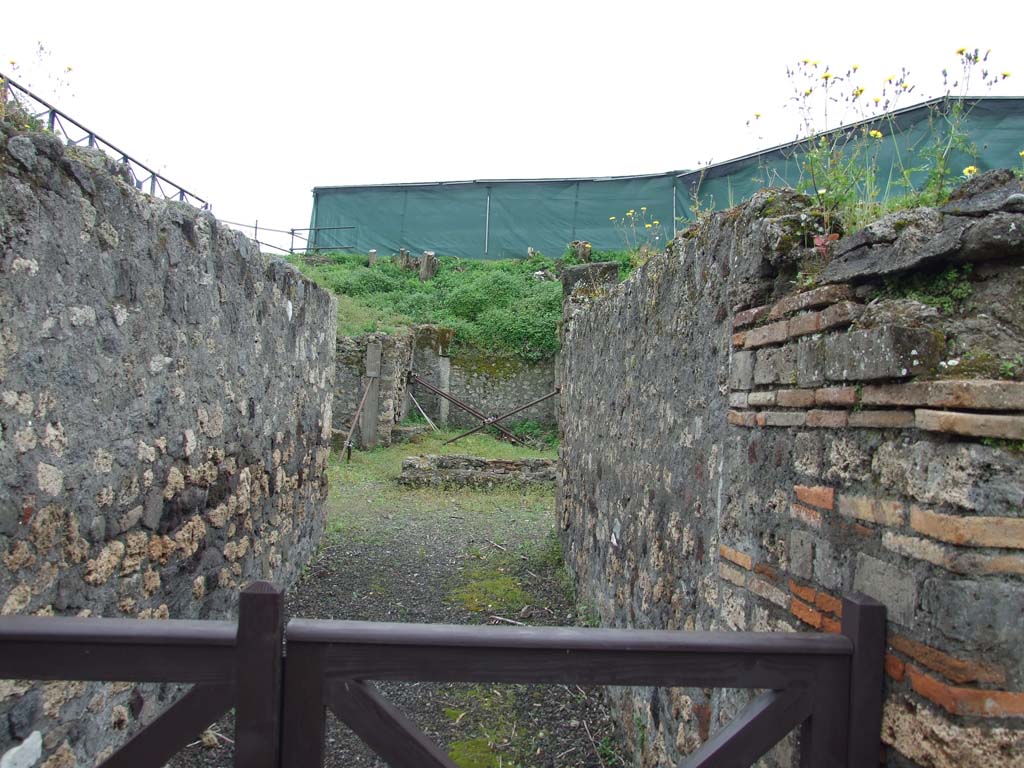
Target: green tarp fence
[503, 218]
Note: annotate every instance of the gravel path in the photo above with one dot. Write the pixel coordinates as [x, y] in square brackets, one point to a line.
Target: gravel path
[460, 557]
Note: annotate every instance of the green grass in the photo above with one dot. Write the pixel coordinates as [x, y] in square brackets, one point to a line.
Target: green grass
[496, 307]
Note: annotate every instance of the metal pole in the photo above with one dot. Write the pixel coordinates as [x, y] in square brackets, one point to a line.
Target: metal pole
[487, 223]
[422, 412]
[464, 406]
[291, 247]
[256, 230]
[493, 422]
[355, 420]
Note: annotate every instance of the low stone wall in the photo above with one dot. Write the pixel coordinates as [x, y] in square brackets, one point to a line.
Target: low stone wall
[738, 454]
[165, 405]
[470, 471]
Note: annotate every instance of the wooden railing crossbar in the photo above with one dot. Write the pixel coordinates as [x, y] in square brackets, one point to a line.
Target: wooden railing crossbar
[828, 685]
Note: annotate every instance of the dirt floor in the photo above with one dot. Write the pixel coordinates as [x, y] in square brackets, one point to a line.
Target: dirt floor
[444, 556]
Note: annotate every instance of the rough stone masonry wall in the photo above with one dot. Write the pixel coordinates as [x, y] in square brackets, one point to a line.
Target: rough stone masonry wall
[453, 470]
[165, 404]
[350, 381]
[492, 385]
[737, 455]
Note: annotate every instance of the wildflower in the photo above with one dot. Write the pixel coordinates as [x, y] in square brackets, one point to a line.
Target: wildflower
[647, 226]
[12, 62]
[857, 92]
[890, 78]
[67, 68]
[815, 63]
[1005, 75]
[961, 51]
[757, 115]
[808, 92]
[970, 170]
[805, 61]
[1021, 153]
[630, 212]
[855, 67]
[611, 218]
[826, 76]
[877, 99]
[875, 134]
[643, 207]
[656, 222]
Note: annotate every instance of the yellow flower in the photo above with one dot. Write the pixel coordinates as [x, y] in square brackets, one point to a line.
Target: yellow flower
[961, 51]
[815, 63]
[12, 62]
[970, 170]
[1005, 75]
[757, 115]
[855, 67]
[857, 92]
[805, 61]
[875, 134]
[67, 68]
[1021, 153]
[611, 218]
[647, 226]
[656, 222]
[877, 99]
[808, 92]
[890, 78]
[630, 212]
[826, 76]
[643, 207]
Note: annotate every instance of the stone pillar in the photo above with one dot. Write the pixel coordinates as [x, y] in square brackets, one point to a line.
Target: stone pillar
[370, 416]
[444, 381]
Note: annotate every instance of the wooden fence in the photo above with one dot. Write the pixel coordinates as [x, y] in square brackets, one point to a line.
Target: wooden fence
[828, 685]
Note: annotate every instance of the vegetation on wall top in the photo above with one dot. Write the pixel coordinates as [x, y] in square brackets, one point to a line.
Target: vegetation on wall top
[509, 307]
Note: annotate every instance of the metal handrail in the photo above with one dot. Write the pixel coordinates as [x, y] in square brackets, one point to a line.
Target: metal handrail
[56, 118]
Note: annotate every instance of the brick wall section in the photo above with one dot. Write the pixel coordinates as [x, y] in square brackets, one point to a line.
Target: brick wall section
[742, 469]
[165, 402]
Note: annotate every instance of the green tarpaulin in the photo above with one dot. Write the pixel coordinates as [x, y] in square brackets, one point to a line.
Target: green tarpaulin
[503, 218]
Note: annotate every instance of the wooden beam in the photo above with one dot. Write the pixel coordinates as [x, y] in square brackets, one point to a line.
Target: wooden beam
[755, 730]
[155, 744]
[864, 625]
[383, 728]
[258, 709]
[305, 716]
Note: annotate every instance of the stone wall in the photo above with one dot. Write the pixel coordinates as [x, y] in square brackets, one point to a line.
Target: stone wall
[351, 380]
[491, 385]
[471, 471]
[165, 404]
[737, 454]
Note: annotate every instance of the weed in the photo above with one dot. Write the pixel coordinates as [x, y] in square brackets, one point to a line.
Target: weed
[1013, 446]
[946, 289]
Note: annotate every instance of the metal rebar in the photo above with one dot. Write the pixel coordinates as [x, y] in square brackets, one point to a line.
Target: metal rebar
[464, 406]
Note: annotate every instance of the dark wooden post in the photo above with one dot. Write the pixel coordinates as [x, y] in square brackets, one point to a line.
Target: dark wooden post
[864, 624]
[305, 713]
[258, 676]
[823, 736]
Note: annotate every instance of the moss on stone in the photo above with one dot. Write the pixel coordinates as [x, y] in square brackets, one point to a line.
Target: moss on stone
[473, 753]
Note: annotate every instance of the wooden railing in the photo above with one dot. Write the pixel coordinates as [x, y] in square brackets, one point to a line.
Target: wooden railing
[829, 685]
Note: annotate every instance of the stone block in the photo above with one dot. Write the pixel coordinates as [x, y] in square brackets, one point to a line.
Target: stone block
[819, 496]
[888, 352]
[970, 424]
[982, 395]
[739, 338]
[953, 559]
[589, 279]
[817, 297]
[806, 515]
[810, 361]
[732, 575]
[750, 316]
[826, 419]
[741, 418]
[794, 398]
[737, 399]
[735, 556]
[888, 584]
[981, 614]
[950, 667]
[801, 553]
[770, 592]
[804, 324]
[973, 531]
[872, 510]
[881, 419]
[777, 365]
[839, 315]
[781, 418]
[761, 399]
[835, 396]
[827, 568]
[773, 333]
[741, 370]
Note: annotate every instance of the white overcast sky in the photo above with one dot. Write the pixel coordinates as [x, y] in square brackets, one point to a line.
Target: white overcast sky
[251, 105]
